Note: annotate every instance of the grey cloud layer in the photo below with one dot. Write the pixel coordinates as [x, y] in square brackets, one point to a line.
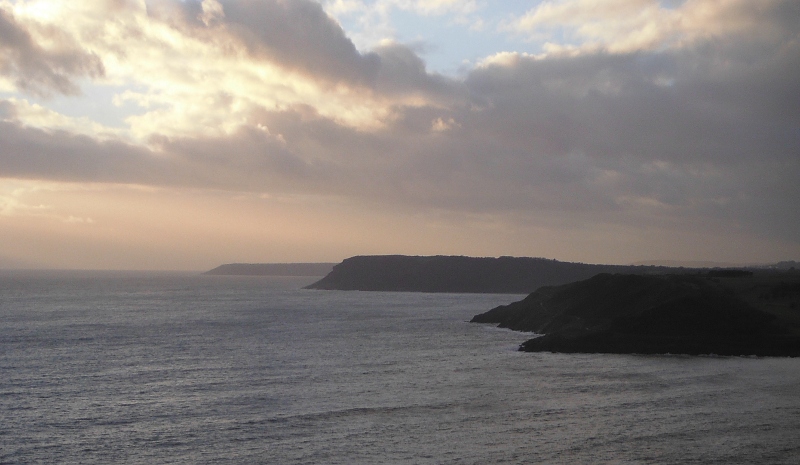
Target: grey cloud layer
[298, 34]
[41, 70]
[700, 134]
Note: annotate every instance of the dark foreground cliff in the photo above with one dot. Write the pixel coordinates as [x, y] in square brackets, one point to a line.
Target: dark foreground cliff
[677, 314]
[511, 275]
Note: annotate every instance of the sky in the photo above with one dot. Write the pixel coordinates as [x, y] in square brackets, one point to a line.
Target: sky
[169, 134]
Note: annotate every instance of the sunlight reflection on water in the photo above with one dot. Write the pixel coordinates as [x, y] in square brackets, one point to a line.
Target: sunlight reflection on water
[157, 368]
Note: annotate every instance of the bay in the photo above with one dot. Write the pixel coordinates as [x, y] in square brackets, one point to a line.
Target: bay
[142, 367]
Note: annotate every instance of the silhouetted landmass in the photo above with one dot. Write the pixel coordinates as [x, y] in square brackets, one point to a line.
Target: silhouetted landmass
[784, 290]
[729, 274]
[786, 265]
[677, 314]
[272, 269]
[511, 275]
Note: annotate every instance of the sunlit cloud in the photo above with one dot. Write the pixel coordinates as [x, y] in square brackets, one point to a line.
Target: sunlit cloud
[197, 77]
[374, 17]
[624, 26]
[623, 120]
[38, 116]
[40, 59]
[22, 199]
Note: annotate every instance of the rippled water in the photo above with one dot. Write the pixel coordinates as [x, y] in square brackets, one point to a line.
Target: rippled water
[175, 368]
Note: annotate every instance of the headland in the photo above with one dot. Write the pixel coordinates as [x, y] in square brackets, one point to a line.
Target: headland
[728, 313]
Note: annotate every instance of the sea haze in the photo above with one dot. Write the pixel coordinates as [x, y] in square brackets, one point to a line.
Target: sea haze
[145, 368]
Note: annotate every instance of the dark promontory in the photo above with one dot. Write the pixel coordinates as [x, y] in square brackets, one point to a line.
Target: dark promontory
[510, 275]
[677, 314]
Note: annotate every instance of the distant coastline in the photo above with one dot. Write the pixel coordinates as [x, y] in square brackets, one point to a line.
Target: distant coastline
[591, 308]
[460, 274]
[455, 274]
[272, 269]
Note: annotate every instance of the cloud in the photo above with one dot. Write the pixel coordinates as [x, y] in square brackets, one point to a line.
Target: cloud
[687, 134]
[694, 129]
[403, 74]
[203, 67]
[198, 67]
[297, 34]
[251, 159]
[42, 60]
[624, 26]
[33, 153]
[371, 22]
[36, 115]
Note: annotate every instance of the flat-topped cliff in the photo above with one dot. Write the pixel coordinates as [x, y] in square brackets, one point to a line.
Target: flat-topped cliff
[511, 275]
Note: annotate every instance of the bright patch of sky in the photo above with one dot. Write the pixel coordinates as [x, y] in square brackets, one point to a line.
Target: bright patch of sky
[452, 35]
[451, 38]
[98, 102]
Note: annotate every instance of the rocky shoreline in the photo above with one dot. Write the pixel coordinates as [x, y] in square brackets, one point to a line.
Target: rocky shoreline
[666, 314]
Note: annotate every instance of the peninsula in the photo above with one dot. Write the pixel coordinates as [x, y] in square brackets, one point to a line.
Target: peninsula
[459, 274]
[729, 313]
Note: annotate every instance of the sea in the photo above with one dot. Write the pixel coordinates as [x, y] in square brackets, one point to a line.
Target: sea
[184, 368]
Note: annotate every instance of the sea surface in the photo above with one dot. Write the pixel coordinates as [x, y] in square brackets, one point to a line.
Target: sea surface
[161, 368]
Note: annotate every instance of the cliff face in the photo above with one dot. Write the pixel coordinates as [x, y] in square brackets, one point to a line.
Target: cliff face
[509, 275]
[681, 314]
